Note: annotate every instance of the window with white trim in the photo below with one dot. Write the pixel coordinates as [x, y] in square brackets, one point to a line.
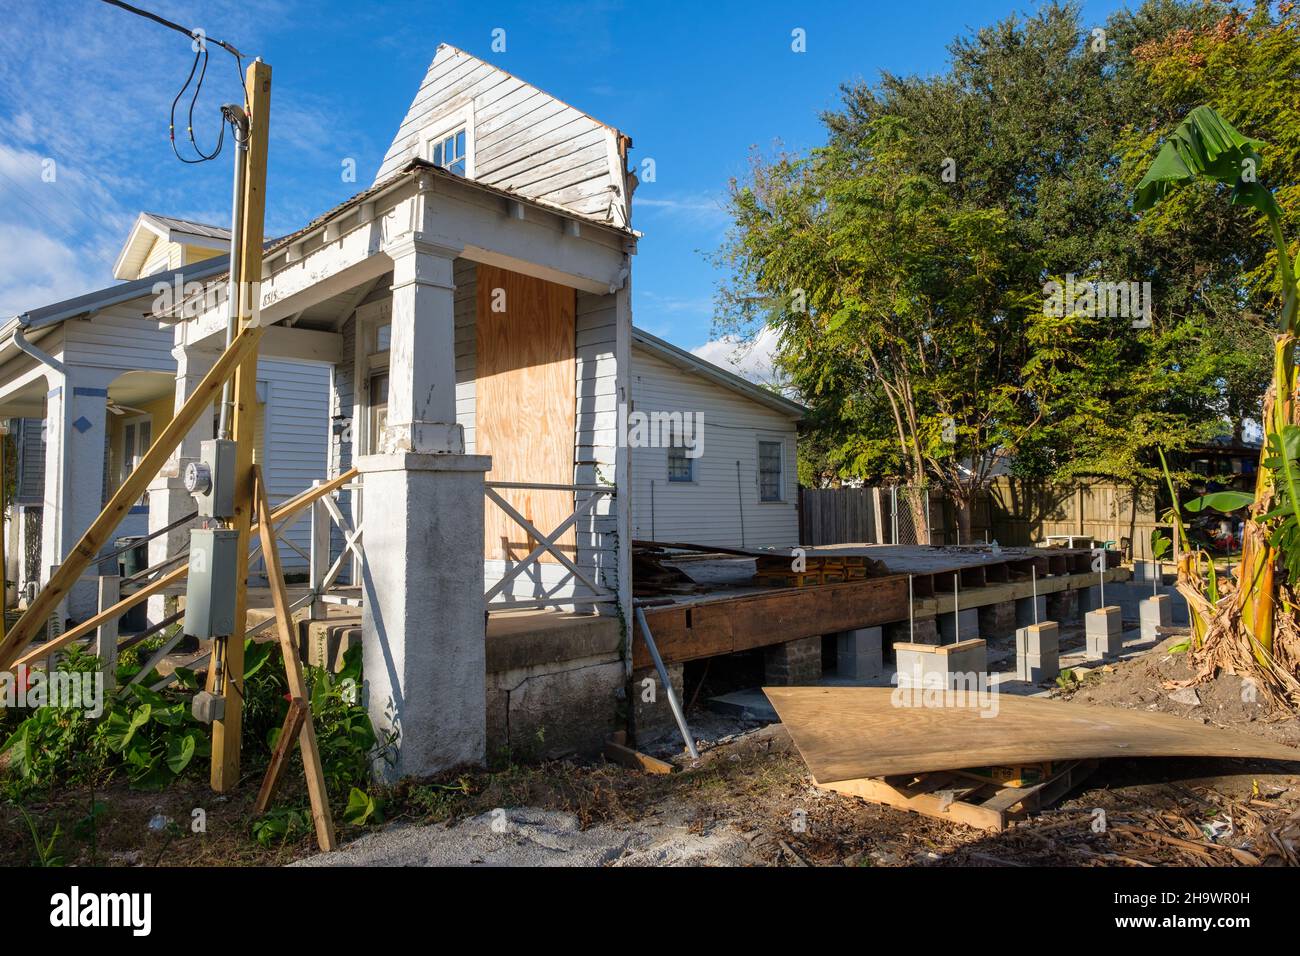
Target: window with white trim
[448, 151]
[680, 467]
[770, 465]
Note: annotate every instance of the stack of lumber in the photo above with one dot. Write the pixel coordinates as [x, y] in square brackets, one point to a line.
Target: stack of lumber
[778, 570]
[651, 576]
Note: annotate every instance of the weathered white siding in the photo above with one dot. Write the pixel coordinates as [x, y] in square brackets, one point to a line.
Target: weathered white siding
[708, 509]
[121, 337]
[520, 138]
[297, 425]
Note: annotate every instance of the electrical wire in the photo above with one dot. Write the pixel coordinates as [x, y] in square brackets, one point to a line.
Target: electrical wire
[200, 65]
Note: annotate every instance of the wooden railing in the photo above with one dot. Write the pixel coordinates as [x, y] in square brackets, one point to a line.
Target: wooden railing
[547, 544]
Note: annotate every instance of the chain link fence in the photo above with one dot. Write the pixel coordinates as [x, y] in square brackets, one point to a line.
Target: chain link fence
[909, 518]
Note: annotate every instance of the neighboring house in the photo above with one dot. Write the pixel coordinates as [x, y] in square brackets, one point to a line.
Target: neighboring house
[741, 490]
[93, 379]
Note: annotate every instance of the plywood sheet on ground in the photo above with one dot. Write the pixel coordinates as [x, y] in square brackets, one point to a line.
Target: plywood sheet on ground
[847, 733]
[525, 405]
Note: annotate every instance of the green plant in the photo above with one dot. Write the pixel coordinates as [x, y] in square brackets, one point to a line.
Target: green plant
[281, 824]
[157, 737]
[56, 744]
[363, 808]
[1067, 680]
[45, 855]
[1239, 635]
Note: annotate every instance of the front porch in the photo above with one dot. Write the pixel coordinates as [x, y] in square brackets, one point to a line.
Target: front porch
[482, 347]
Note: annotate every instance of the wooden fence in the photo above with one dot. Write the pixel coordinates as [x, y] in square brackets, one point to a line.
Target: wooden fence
[1012, 511]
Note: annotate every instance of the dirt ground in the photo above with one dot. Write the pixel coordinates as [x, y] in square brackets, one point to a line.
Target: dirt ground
[748, 800]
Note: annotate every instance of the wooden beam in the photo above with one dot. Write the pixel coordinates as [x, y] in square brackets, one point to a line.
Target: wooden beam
[311, 762]
[293, 722]
[86, 551]
[690, 631]
[227, 679]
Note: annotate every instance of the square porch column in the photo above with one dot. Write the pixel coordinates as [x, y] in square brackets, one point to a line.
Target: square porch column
[76, 424]
[423, 622]
[422, 351]
[168, 499]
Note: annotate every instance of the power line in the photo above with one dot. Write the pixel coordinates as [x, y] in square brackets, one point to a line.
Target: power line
[200, 41]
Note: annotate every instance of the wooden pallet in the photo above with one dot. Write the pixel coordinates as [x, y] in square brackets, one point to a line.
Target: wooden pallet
[959, 797]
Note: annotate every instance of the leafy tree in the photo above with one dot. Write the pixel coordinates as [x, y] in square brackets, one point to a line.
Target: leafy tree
[921, 237]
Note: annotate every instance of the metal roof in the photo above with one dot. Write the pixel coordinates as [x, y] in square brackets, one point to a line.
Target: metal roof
[693, 363]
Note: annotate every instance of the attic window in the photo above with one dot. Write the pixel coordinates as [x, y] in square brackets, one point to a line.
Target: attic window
[449, 152]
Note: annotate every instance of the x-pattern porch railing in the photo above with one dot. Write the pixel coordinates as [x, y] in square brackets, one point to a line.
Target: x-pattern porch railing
[547, 544]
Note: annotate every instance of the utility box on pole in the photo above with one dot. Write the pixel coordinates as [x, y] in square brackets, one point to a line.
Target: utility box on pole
[210, 592]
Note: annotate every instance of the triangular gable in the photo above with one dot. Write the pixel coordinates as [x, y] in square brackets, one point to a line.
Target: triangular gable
[517, 138]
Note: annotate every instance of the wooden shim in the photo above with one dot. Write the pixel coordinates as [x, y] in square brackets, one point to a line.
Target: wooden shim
[286, 511]
[293, 721]
[634, 759]
[935, 795]
[86, 551]
[311, 762]
[929, 803]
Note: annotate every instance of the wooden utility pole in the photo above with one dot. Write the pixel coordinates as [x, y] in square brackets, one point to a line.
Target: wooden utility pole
[228, 680]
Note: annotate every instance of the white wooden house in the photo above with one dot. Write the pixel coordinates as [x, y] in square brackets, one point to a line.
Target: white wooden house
[92, 379]
[473, 307]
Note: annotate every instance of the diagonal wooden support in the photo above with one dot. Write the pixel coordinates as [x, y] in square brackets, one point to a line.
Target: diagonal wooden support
[92, 542]
[293, 722]
[311, 762]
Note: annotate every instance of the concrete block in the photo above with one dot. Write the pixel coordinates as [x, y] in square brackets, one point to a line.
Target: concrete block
[652, 715]
[966, 626]
[859, 653]
[323, 643]
[793, 663]
[1025, 611]
[1063, 607]
[960, 665]
[1038, 649]
[1103, 631]
[922, 631]
[1155, 611]
[997, 620]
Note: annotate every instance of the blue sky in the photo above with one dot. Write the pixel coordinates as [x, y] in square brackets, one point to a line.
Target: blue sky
[697, 87]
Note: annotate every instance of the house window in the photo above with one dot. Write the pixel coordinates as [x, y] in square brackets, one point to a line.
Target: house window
[769, 470]
[378, 408]
[137, 436]
[449, 152]
[679, 466]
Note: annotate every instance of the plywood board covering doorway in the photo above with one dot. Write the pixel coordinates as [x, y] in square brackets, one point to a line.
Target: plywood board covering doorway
[526, 404]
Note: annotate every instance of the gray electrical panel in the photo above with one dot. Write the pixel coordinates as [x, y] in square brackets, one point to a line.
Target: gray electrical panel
[210, 590]
[211, 479]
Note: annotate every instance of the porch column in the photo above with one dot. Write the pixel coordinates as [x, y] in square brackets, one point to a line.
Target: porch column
[168, 499]
[422, 511]
[422, 351]
[75, 444]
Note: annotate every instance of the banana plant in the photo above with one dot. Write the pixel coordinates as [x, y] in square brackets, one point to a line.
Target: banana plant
[1205, 147]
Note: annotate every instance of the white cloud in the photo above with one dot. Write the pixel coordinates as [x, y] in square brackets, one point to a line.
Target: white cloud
[750, 360]
[698, 211]
[39, 270]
